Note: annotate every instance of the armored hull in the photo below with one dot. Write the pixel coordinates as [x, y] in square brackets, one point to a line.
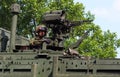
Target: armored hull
[35, 63]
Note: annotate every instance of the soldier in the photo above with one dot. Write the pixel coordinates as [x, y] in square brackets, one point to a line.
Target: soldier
[37, 42]
[4, 39]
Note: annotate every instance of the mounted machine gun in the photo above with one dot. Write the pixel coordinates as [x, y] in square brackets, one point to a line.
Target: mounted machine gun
[60, 26]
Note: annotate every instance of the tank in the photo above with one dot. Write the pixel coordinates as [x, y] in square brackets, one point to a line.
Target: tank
[53, 60]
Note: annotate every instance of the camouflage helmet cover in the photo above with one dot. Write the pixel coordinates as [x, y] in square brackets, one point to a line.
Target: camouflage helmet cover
[41, 28]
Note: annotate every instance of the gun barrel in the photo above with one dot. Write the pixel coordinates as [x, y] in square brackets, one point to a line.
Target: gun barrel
[76, 23]
[76, 44]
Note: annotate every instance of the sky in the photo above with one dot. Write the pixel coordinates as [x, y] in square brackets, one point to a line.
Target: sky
[107, 14]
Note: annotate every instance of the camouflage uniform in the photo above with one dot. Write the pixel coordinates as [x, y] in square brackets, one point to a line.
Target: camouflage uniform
[37, 41]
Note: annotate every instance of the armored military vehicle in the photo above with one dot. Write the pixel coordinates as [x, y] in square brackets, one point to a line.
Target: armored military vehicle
[52, 60]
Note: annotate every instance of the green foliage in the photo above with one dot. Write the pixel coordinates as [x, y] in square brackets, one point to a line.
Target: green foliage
[5, 15]
[98, 43]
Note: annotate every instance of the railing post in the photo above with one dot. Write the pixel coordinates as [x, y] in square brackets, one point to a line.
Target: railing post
[34, 70]
[55, 66]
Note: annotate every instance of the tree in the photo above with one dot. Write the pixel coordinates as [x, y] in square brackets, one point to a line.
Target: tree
[97, 44]
[5, 15]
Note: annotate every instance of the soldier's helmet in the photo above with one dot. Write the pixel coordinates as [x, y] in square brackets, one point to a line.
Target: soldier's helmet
[41, 28]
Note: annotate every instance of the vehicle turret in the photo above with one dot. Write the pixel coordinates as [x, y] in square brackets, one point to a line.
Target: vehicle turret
[60, 26]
